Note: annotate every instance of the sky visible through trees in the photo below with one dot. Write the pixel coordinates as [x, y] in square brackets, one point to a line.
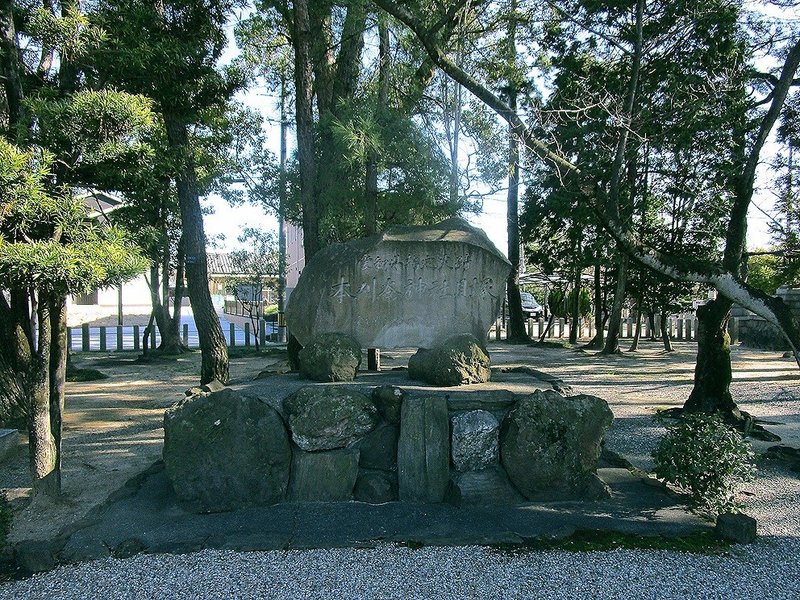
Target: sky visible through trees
[224, 231]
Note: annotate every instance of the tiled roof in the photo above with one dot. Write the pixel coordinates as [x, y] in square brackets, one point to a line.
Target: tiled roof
[220, 263]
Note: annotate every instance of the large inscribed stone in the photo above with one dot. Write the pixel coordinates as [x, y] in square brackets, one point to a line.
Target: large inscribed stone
[406, 287]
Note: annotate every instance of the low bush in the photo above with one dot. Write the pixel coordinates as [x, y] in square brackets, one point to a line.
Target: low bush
[705, 458]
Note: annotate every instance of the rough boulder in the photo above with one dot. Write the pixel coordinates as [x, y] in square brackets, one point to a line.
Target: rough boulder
[224, 451]
[459, 360]
[550, 445]
[330, 357]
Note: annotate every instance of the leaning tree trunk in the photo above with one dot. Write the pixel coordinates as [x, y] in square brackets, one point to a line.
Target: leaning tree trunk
[547, 328]
[712, 374]
[635, 344]
[214, 363]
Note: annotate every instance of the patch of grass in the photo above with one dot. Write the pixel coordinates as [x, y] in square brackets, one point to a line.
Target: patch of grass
[586, 540]
[77, 375]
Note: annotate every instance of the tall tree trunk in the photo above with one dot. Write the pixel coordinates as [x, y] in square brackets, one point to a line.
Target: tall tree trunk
[282, 198]
[517, 332]
[371, 187]
[307, 162]
[11, 70]
[214, 363]
[516, 325]
[42, 448]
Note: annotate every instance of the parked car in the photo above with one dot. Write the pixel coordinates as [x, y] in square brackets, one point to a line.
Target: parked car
[530, 307]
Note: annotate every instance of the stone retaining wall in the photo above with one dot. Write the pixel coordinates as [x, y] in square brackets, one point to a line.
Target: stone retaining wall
[753, 331]
[224, 450]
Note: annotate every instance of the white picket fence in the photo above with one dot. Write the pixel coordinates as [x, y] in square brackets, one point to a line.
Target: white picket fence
[682, 328]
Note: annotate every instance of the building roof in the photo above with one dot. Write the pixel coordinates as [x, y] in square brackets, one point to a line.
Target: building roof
[220, 263]
[100, 204]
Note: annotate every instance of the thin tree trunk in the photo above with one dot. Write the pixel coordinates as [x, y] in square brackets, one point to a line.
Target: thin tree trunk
[575, 315]
[177, 302]
[517, 332]
[666, 336]
[214, 363]
[40, 434]
[612, 339]
[597, 340]
[638, 334]
[58, 374]
[282, 198]
[147, 334]
[615, 319]
[371, 187]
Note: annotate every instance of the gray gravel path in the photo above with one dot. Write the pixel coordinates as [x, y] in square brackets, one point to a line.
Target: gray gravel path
[768, 569]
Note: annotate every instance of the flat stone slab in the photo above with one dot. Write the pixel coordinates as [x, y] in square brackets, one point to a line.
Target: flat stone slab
[145, 517]
[496, 396]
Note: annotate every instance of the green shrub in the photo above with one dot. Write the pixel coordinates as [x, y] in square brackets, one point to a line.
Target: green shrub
[5, 519]
[705, 458]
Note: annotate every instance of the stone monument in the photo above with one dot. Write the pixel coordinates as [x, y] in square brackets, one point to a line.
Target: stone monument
[406, 287]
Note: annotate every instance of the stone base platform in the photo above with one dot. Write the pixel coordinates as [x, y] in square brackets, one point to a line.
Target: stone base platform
[145, 517]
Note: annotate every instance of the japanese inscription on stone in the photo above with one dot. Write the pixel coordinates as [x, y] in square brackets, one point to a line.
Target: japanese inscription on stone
[405, 288]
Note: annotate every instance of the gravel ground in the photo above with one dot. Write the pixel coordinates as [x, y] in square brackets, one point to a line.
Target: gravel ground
[766, 569]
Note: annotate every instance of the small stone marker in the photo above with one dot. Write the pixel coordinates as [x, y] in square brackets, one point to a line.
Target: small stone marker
[374, 359]
[406, 287]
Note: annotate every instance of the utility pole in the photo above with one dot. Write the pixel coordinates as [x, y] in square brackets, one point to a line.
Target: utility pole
[281, 220]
